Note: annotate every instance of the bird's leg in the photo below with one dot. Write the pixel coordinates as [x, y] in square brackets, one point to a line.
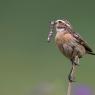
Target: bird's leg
[75, 57]
[71, 76]
[75, 63]
[76, 60]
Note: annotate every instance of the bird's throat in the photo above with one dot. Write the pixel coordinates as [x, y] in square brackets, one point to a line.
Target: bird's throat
[60, 30]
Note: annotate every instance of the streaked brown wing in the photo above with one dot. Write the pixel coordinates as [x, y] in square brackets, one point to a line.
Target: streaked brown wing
[80, 40]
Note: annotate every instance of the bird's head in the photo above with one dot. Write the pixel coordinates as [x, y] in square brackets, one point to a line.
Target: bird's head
[62, 25]
[59, 26]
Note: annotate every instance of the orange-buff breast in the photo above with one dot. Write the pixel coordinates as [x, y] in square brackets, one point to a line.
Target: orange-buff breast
[63, 37]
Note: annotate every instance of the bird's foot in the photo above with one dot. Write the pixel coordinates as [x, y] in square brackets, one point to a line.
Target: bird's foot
[76, 61]
[71, 78]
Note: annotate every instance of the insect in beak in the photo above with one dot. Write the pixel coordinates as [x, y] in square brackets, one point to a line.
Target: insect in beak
[50, 35]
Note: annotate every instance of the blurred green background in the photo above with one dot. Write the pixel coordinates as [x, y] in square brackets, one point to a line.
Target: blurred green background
[25, 56]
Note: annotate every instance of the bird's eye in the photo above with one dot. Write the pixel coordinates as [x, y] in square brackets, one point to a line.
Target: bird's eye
[60, 21]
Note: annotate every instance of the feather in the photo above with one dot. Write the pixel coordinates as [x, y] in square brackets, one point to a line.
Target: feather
[80, 40]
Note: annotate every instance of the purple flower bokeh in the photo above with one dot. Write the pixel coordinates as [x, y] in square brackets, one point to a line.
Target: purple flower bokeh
[82, 90]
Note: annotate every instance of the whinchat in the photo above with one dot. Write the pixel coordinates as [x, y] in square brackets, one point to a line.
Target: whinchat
[70, 43]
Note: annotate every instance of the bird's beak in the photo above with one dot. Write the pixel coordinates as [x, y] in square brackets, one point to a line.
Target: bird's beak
[50, 35]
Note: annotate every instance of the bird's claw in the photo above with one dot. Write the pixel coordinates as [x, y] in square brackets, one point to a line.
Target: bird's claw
[76, 61]
[71, 78]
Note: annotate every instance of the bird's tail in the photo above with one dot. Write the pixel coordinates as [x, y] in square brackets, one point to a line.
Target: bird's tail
[92, 53]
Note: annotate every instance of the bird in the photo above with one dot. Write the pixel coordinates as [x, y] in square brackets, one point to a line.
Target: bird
[70, 43]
